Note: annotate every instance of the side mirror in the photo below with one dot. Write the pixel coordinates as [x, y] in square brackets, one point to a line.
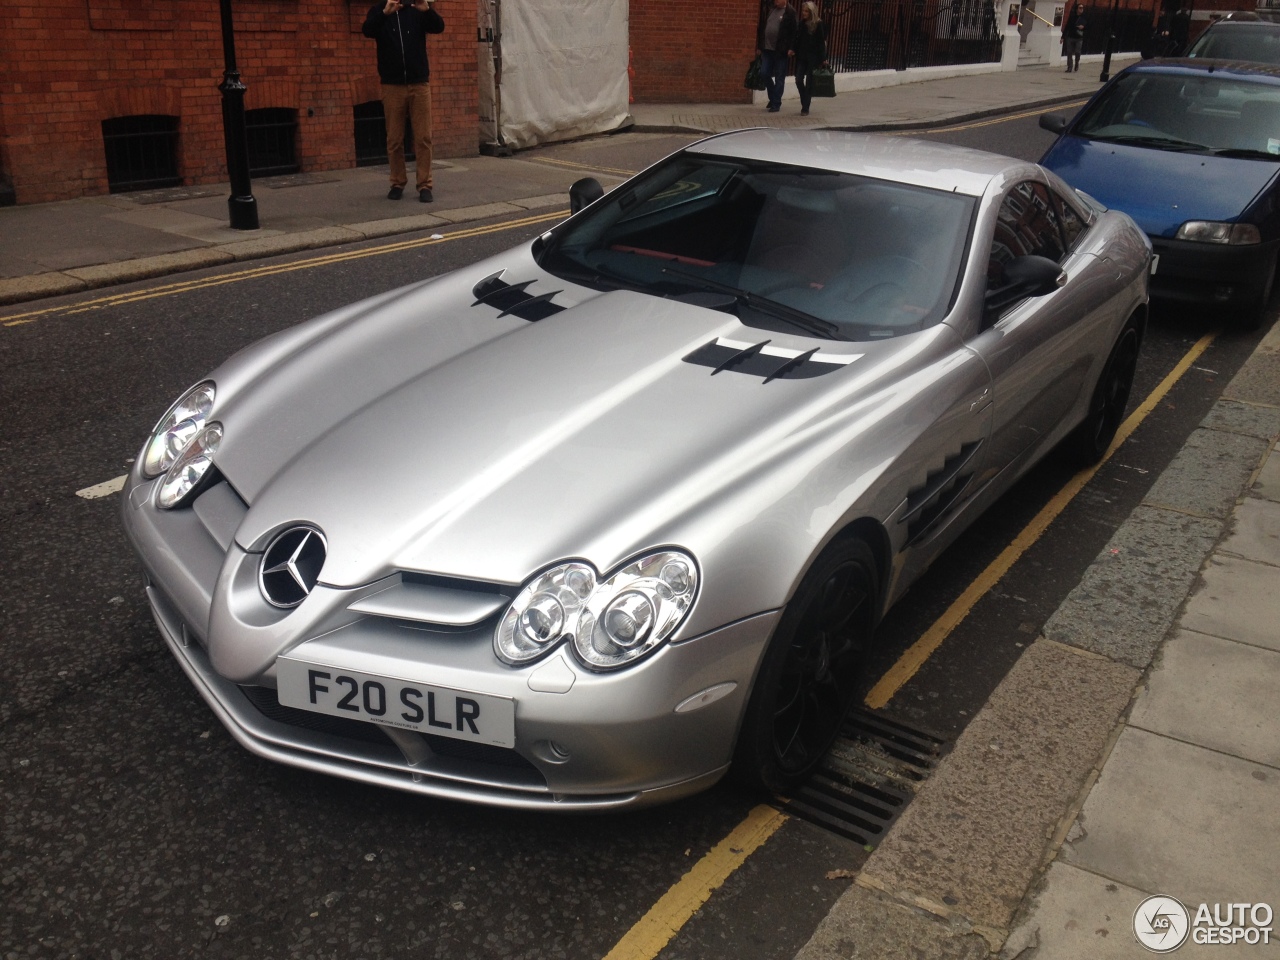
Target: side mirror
[584, 193]
[1025, 277]
[1053, 122]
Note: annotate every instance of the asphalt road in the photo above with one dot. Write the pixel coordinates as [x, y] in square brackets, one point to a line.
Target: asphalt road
[134, 827]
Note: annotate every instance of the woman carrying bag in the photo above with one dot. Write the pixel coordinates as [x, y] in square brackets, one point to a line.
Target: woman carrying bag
[811, 52]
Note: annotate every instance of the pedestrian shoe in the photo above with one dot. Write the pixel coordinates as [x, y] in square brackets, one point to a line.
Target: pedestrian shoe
[395, 193]
[804, 113]
[424, 195]
[772, 109]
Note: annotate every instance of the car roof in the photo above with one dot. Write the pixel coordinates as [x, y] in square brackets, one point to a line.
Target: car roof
[1233, 69]
[921, 163]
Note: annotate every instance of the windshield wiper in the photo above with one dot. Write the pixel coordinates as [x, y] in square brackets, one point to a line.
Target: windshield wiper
[1247, 153]
[1160, 143]
[805, 321]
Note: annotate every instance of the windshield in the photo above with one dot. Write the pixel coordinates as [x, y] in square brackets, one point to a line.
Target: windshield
[1257, 42]
[785, 248]
[1208, 113]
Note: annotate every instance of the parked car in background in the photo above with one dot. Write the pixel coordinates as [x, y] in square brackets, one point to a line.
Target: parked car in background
[1190, 148]
[1239, 37]
[581, 525]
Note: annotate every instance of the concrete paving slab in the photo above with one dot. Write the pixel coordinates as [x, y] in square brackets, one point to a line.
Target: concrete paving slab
[1255, 532]
[1182, 820]
[1250, 419]
[973, 840]
[1207, 475]
[867, 925]
[160, 217]
[549, 200]
[1268, 483]
[126, 271]
[1077, 915]
[1128, 597]
[1208, 691]
[1239, 600]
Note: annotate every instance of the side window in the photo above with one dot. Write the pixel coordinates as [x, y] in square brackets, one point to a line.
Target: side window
[1072, 225]
[1027, 225]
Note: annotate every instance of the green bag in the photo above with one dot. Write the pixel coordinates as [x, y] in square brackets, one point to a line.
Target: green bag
[755, 76]
[823, 83]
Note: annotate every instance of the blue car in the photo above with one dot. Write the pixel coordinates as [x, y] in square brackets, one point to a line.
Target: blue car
[1190, 149]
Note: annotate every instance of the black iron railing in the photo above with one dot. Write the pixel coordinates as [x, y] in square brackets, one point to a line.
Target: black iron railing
[141, 151]
[271, 135]
[897, 34]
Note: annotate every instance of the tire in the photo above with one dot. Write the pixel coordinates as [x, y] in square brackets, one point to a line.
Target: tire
[1091, 440]
[811, 668]
[1252, 316]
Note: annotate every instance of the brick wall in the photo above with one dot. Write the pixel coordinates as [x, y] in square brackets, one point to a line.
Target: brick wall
[67, 65]
[683, 52]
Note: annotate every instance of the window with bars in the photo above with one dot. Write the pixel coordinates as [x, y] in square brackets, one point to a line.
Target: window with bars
[371, 135]
[141, 151]
[271, 136]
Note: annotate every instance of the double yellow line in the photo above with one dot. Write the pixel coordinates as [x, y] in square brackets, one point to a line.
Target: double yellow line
[187, 286]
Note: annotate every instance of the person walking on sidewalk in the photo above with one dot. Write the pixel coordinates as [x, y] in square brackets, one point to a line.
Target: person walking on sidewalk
[1073, 37]
[811, 52]
[400, 29]
[775, 44]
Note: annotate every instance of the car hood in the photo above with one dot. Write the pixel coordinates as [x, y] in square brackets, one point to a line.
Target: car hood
[434, 435]
[1160, 189]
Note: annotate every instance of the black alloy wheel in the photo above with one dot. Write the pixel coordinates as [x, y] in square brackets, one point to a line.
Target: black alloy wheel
[811, 669]
[1093, 437]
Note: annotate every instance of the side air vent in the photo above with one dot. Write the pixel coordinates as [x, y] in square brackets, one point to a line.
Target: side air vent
[942, 489]
[513, 298]
[762, 360]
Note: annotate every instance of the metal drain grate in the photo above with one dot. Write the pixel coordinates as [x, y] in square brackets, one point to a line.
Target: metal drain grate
[871, 772]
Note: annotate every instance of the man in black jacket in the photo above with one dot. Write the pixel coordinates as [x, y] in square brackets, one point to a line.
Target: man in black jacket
[775, 42]
[401, 30]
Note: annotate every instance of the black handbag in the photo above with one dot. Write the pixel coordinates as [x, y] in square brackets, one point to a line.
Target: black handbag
[755, 76]
[823, 82]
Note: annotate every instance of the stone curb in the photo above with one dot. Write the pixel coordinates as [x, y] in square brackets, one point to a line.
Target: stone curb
[55, 283]
[976, 841]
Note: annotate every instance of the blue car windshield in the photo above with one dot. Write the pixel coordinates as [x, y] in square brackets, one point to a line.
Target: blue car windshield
[783, 247]
[1204, 113]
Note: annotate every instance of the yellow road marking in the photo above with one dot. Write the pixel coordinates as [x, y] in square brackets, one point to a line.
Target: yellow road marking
[585, 166]
[920, 651]
[185, 286]
[988, 123]
[654, 930]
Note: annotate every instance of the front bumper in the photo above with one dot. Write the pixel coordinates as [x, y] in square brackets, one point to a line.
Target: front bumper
[620, 741]
[1211, 273]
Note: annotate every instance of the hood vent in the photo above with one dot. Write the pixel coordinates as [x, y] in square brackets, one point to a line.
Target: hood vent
[942, 490]
[513, 299]
[771, 363]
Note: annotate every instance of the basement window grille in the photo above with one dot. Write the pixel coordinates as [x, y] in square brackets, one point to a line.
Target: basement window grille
[271, 135]
[371, 135]
[142, 152]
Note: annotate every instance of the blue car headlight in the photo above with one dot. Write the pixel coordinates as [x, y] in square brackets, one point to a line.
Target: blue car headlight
[1213, 231]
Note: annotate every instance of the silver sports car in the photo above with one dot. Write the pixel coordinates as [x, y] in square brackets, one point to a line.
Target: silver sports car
[588, 523]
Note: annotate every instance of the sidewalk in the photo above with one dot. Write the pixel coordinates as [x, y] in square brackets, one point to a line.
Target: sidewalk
[74, 245]
[1133, 750]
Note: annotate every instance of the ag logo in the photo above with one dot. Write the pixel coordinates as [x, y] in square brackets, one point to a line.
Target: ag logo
[1161, 924]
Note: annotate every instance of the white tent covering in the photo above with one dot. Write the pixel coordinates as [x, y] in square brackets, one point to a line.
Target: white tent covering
[557, 69]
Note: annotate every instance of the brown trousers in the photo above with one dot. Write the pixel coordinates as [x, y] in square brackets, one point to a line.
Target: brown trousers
[413, 101]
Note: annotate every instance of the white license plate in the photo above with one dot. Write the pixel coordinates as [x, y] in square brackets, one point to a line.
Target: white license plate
[406, 704]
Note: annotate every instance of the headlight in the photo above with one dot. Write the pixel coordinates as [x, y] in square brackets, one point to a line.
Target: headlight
[1211, 231]
[190, 468]
[176, 428]
[611, 623]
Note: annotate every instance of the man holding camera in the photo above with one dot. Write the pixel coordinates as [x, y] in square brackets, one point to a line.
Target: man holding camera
[400, 29]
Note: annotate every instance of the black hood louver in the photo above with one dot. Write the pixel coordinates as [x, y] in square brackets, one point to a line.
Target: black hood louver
[752, 360]
[512, 298]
